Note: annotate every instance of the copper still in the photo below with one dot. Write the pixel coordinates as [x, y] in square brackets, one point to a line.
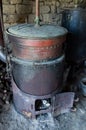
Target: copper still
[37, 65]
[36, 43]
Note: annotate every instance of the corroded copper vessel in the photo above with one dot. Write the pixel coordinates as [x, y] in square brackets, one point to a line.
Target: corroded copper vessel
[38, 78]
[37, 43]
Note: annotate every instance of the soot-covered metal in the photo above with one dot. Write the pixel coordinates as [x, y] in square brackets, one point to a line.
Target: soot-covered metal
[40, 78]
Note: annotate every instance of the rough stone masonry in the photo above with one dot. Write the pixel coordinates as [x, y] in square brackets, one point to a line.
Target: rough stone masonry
[20, 11]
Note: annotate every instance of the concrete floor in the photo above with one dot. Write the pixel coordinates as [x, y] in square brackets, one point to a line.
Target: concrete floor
[12, 120]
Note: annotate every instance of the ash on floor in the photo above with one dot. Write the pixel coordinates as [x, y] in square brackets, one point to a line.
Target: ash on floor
[11, 120]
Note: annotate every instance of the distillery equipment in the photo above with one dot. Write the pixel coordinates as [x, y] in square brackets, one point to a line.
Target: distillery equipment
[36, 65]
[37, 43]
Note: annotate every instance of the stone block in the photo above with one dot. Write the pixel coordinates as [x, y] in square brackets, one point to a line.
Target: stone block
[44, 9]
[58, 4]
[23, 9]
[33, 9]
[9, 9]
[49, 2]
[15, 1]
[47, 18]
[53, 2]
[5, 1]
[53, 9]
[16, 18]
[68, 1]
[31, 18]
[5, 18]
[26, 1]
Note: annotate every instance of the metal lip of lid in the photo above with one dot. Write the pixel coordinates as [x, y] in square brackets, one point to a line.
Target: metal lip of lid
[29, 31]
[41, 63]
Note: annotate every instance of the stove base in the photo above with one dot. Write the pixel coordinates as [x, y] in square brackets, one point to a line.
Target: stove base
[31, 106]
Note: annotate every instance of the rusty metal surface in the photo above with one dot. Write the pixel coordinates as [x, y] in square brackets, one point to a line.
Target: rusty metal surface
[37, 43]
[25, 103]
[38, 49]
[38, 78]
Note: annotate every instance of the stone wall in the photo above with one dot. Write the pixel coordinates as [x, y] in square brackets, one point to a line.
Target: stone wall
[20, 11]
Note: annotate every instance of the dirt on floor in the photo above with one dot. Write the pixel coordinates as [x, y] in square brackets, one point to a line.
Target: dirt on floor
[11, 120]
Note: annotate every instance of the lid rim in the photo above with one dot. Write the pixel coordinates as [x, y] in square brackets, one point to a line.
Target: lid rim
[50, 31]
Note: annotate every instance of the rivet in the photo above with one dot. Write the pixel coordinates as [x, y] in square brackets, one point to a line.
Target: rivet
[47, 47]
